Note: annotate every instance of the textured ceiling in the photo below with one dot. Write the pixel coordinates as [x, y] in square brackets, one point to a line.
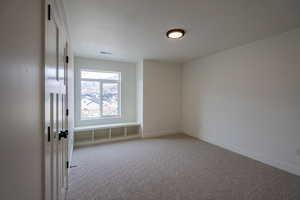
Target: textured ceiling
[135, 29]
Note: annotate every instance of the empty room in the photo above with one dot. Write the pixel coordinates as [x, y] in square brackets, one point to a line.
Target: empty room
[150, 99]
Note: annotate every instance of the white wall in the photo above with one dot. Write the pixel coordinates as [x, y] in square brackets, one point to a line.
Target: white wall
[128, 89]
[140, 92]
[162, 98]
[21, 52]
[247, 99]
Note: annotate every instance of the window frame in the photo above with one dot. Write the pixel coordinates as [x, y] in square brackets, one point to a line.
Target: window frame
[101, 81]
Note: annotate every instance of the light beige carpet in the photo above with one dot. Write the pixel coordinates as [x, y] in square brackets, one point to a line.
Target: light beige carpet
[174, 168]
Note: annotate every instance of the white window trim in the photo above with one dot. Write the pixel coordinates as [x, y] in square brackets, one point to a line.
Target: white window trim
[101, 81]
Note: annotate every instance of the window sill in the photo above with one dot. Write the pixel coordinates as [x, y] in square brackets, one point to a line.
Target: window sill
[101, 118]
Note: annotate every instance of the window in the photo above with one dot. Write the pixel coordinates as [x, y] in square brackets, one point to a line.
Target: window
[100, 94]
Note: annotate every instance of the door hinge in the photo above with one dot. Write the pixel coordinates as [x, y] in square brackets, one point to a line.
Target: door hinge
[67, 164]
[49, 12]
[67, 112]
[67, 59]
[48, 133]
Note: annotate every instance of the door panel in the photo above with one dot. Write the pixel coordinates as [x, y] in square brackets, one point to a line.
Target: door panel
[55, 111]
[54, 149]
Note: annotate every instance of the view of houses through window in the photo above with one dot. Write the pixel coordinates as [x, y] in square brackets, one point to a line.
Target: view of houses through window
[100, 94]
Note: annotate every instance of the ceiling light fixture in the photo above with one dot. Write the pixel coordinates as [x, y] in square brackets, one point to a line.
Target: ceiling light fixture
[105, 53]
[175, 33]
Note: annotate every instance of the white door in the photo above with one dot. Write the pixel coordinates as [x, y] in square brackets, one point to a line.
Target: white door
[56, 129]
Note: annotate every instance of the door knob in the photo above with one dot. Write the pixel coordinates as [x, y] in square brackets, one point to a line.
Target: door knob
[63, 134]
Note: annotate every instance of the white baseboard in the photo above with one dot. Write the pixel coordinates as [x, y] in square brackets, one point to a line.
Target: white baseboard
[291, 168]
[160, 133]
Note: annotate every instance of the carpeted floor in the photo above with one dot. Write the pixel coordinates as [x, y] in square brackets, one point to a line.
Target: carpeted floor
[173, 168]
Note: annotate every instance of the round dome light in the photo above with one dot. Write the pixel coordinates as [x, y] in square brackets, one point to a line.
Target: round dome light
[175, 33]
